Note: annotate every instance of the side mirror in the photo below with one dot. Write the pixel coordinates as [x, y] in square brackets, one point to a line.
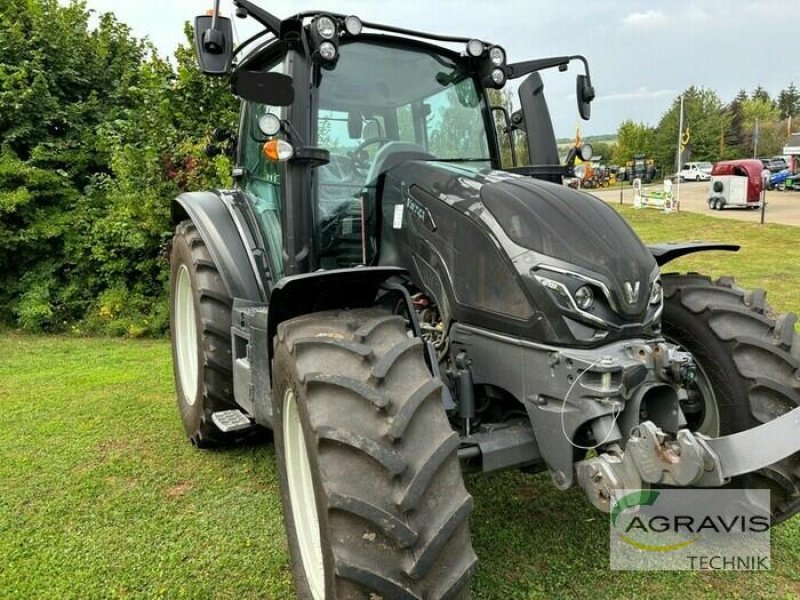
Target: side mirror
[213, 42]
[273, 89]
[585, 94]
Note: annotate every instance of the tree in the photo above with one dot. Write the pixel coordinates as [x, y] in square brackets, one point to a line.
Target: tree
[761, 94]
[632, 138]
[770, 134]
[97, 135]
[59, 82]
[789, 102]
[733, 138]
[706, 120]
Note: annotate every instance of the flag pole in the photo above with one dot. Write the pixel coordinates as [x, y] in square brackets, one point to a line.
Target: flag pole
[678, 159]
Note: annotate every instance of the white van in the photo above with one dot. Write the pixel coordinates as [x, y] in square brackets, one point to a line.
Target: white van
[696, 171]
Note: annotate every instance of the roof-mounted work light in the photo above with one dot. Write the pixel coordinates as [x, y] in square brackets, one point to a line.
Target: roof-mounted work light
[325, 39]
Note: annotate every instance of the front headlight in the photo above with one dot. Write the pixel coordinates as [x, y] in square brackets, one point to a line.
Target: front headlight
[656, 292]
[584, 297]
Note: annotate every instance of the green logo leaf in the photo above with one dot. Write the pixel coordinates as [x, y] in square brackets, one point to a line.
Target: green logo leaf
[632, 500]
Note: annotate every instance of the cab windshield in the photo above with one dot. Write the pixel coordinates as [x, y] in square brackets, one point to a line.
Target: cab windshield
[382, 104]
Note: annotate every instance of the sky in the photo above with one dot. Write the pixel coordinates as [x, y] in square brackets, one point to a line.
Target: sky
[642, 54]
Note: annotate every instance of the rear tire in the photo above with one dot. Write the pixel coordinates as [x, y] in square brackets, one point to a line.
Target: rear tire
[375, 504]
[200, 325]
[751, 359]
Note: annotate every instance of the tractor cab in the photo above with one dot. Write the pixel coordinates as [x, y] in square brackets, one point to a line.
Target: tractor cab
[330, 104]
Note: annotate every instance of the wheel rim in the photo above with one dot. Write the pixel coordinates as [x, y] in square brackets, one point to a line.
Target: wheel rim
[707, 421]
[301, 496]
[186, 335]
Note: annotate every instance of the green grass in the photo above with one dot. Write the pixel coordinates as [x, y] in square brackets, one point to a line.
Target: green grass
[102, 497]
[769, 258]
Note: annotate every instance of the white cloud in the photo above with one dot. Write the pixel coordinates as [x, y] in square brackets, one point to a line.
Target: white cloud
[649, 18]
[658, 18]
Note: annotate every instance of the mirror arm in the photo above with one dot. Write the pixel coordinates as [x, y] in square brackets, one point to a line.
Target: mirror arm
[214, 16]
[268, 20]
[520, 69]
[213, 38]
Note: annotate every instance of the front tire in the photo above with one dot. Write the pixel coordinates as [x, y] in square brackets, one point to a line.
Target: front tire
[749, 357]
[373, 498]
[200, 325]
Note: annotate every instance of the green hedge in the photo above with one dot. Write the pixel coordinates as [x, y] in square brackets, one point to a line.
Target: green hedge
[97, 134]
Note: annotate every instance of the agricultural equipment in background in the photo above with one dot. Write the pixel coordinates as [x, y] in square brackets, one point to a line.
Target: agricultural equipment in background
[398, 308]
[640, 168]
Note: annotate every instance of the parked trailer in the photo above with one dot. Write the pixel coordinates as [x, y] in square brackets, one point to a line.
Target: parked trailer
[735, 183]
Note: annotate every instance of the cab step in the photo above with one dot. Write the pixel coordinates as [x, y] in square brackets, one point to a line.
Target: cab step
[228, 421]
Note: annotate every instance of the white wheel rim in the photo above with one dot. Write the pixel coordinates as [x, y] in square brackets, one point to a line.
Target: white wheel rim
[186, 335]
[301, 496]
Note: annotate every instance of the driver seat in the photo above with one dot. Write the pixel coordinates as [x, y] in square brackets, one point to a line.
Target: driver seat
[393, 154]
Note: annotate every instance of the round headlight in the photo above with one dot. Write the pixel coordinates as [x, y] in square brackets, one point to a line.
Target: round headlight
[656, 293]
[579, 171]
[353, 25]
[475, 48]
[586, 152]
[326, 27]
[327, 50]
[269, 124]
[497, 56]
[584, 297]
[498, 76]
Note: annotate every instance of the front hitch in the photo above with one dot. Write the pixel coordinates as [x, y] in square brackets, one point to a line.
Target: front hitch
[688, 459]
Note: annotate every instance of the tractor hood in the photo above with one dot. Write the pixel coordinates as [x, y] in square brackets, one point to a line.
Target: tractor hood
[577, 229]
[496, 243]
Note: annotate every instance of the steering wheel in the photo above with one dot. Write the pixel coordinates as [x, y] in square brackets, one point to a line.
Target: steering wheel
[360, 158]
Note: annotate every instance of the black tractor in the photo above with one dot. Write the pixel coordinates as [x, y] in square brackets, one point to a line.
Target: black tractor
[399, 306]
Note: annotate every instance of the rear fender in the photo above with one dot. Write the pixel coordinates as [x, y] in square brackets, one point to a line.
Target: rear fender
[223, 235]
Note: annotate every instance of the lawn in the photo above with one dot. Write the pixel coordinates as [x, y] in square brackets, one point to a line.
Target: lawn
[102, 497]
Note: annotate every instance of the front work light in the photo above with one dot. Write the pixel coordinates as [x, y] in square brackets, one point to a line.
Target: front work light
[269, 124]
[327, 50]
[499, 77]
[326, 27]
[475, 48]
[278, 151]
[497, 56]
[353, 25]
